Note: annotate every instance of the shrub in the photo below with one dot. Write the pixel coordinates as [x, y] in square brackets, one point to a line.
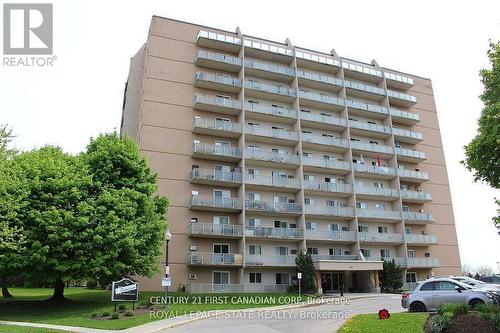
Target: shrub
[487, 308]
[438, 323]
[105, 314]
[121, 307]
[493, 318]
[391, 278]
[94, 314]
[452, 308]
[129, 313]
[142, 303]
[115, 315]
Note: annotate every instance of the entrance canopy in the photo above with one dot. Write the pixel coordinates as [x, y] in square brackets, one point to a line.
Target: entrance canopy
[347, 265]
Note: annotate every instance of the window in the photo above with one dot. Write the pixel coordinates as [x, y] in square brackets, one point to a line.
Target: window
[282, 278]
[335, 252]
[255, 249]
[255, 277]
[305, 110]
[312, 250]
[306, 132]
[380, 206]
[411, 277]
[378, 185]
[221, 277]
[385, 253]
[444, 286]
[408, 231]
[194, 220]
[334, 227]
[221, 220]
[326, 114]
[221, 248]
[331, 203]
[411, 253]
[382, 229]
[429, 286]
[362, 228]
[253, 196]
[280, 224]
[309, 177]
[374, 142]
[361, 205]
[308, 201]
[311, 226]
[254, 222]
[281, 250]
[366, 253]
[406, 208]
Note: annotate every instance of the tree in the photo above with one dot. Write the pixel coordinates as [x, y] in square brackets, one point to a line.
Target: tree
[391, 279]
[305, 265]
[483, 152]
[467, 270]
[484, 271]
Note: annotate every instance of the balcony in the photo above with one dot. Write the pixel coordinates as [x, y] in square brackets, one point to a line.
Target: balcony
[270, 158]
[217, 82]
[260, 260]
[398, 81]
[237, 288]
[321, 164]
[328, 188]
[216, 152]
[214, 230]
[378, 215]
[271, 113]
[407, 136]
[413, 176]
[264, 50]
[374, 171]
[361, 109]
[315, 120]
[274, 233]
[319, 62]
[404, 117]
[219, 61]
[319, 81]
[410, 155]
[422, 263]
[372, 149]
[401, 99]
[418, 218]
[269, 71]
[273, 183]
[217, 104]
[366, 91]
[424, 240]
[214, 259]
[216, 177]
[218, 204]
[218, 41]
[316, 257]
[271, 135]
[380, 193]
[372, 130]
[269, 91]
[329, 211]
[385, 238]
[220, 128]
[362, 72]
[323, 142]
[272, 208]
[328, 235]
[320, 101]
[415, 196]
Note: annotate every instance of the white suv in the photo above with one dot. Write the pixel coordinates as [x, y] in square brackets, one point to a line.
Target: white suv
[430, 293]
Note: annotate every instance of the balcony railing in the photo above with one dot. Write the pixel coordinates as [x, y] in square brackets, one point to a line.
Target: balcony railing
[329, 211]
[326, 163]
[365, 69]
[215, 202]
[327, 79]
[380, 237]
[219, 57]
[404, 173]
[379, 214]
[217, 150]
[410, 153]
[321, 98]
[366, 107]
[259, 45]
[272, 156]
[219, 37]
[209, 229]
[372, 147]
[324, 140]
[370, 127]
[374, 170]
[416, 195]
[273, 207]
[407, 133]
[222, 79]
[347, 236]
[327, 187]
[364, 87]
[270, 88]
[316, 257]
[217, 101]
[226, 126]
[278, 69]
[204, 258]
[413, 117]
[399, 78]
[216, 175]
[401, 96]
[271, 132]
[317, 58]
[260, 260]
[266, 232]
[376, 191]
[418, 217]
[420, 239]
[284, 182]
[237, 288]
[271, 110]
[319, 118]
[422, 262]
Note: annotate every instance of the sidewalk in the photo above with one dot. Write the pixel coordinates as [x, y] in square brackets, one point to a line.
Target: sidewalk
[184, 319]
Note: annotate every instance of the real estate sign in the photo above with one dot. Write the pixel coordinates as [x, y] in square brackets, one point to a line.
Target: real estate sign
[124, 290]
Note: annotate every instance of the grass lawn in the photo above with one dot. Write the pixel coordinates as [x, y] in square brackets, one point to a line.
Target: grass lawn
[28, 305]
[22, 329]
[397, 323]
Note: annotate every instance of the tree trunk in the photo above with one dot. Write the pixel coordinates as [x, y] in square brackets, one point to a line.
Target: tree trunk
[58, 295]
[5, 292]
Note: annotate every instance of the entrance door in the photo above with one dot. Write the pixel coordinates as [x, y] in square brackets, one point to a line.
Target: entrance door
[221, 254]
[331, 281]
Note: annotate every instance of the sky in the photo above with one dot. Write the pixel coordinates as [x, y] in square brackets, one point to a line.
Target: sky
[82, 94]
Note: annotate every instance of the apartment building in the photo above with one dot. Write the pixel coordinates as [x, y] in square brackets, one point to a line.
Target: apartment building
[267, 149]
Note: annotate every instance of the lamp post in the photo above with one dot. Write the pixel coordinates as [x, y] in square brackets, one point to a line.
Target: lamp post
[168, 236]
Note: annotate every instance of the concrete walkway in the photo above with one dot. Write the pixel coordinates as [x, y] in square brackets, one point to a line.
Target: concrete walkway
[165, 324]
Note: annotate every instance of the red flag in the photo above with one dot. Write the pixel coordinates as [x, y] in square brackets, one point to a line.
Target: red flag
[379, 163]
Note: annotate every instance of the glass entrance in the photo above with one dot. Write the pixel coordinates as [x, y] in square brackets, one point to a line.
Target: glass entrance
[331, 281]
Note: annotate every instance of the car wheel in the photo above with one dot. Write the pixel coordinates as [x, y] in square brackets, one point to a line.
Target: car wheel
[475, 302]
[417, 307]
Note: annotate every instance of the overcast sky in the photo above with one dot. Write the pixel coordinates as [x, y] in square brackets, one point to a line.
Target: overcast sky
[81, 95]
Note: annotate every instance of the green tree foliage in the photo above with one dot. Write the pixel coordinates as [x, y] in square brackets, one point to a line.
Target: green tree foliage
[483, 152]
[391, 279]
[305, 265]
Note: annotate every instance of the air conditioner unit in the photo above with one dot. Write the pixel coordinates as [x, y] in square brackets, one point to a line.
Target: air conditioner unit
[343, 205]
[421, 211]
[193, 248]
[192, 276]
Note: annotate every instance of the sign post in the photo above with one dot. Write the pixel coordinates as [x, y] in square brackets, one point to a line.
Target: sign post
[125, 290]
[299, 276]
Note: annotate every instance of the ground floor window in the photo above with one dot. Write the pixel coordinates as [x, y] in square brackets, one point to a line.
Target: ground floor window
[255, 277]
[221, 277]
[282, 278]
[411, 277]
